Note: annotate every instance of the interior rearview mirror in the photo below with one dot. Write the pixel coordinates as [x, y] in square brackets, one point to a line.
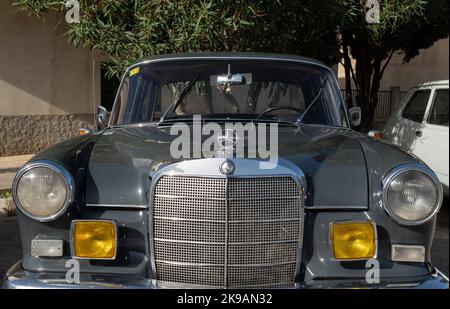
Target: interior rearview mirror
[100, 118]
[231, 79]
[354, 114]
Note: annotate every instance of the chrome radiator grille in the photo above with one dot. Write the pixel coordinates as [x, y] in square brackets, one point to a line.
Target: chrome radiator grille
[227, 231]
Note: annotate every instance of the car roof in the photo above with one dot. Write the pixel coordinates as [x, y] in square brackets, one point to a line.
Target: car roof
[229, 55]
[433, 83]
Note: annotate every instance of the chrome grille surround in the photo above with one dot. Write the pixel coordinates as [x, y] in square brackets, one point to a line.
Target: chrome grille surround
[243, 230]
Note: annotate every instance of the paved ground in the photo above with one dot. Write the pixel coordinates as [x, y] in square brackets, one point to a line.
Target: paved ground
[10, 250]
[440, 251]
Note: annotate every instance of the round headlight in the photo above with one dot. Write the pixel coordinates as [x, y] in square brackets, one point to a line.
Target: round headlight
[43, 190]
[412, 194]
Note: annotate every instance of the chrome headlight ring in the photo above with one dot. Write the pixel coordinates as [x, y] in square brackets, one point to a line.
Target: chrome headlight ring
[404, 168]
[55, 167]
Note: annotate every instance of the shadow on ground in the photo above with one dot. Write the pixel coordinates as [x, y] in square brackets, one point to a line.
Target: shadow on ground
[10, 247]
[440, 251]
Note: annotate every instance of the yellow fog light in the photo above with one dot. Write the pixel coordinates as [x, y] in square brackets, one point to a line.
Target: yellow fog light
[94, 239]
[353, 240]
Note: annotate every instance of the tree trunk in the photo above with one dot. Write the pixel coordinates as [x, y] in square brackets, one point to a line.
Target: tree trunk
[368, 77]
[364, 73]
[374, 88]
[347, 70]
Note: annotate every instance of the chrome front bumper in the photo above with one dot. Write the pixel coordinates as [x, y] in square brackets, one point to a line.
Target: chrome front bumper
[18, 278]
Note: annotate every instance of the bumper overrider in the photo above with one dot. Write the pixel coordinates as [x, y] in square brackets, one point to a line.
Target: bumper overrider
[18, 278]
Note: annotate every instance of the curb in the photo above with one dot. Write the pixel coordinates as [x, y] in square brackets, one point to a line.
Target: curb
[14, 162]
[9, 166]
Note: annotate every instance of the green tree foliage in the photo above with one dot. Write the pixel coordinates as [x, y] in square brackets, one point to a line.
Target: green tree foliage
[329, 30]
[405, 26]
[132, 29]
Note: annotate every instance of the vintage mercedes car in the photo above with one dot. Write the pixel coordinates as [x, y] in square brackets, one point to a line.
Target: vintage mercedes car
[226, 170]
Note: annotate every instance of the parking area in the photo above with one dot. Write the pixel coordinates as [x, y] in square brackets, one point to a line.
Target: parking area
[10, 249]
[440, 251]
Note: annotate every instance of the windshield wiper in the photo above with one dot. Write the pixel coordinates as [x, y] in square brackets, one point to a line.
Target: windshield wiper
[313, 102]
[174, 105]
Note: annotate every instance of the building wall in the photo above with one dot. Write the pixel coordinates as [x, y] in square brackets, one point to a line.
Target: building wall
[48, 88]
[430, 65]
[31, 133]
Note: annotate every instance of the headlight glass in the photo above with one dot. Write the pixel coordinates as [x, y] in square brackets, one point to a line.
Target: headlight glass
[412, 196]
[42, 192]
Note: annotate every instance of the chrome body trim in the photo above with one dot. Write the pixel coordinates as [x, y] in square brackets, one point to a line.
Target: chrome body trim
[225, 221]
[18, 278]
[117, 205]
[332, 207]
[362, 208]
[231, 243]
[70, 185]
[402, 168]
[244, 168]
[72, 243]
[374, 227]
[225, 266]
[223, 199]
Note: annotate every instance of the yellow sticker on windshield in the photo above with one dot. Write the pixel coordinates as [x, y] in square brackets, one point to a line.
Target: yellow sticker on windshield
[134, 71]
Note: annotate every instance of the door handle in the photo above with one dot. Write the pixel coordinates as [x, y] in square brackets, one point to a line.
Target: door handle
[419, 133]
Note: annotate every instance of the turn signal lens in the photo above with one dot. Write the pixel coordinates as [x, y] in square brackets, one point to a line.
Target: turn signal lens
[375, 134]
[94, 239]
[353, 240]
[84, 131]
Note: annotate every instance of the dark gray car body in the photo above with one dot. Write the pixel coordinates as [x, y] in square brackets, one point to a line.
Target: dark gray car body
[112, 170]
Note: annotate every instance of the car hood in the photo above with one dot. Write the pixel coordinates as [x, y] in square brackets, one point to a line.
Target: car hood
[331, 159]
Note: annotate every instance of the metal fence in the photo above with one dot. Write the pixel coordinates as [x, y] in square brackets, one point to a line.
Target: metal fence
[386, 102]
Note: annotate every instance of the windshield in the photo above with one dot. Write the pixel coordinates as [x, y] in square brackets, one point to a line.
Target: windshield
[244, 90]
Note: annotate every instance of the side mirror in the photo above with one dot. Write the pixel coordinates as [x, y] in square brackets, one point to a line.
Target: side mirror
[354, 113]
[100, 118]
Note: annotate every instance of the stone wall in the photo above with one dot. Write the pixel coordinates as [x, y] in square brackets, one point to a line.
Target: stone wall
[31, 134]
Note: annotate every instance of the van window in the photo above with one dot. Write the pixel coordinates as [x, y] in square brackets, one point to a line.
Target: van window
[415, 108]
[439, 112]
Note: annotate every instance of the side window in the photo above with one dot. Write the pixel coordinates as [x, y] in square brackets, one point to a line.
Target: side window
[439, 111]
[415, 108]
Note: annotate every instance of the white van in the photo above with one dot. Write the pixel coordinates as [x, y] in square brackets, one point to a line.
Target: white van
[420, 126]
